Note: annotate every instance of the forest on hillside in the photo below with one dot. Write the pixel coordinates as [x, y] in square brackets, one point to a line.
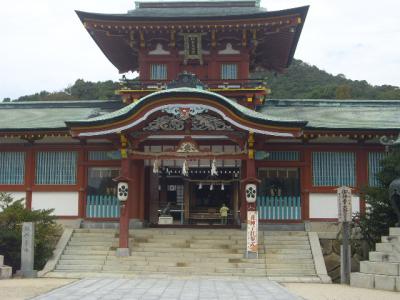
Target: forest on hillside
[299, 81]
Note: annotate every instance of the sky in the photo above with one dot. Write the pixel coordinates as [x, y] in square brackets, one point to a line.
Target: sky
[44, 46]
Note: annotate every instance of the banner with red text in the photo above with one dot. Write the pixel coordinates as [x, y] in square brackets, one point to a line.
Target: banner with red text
[252, 231]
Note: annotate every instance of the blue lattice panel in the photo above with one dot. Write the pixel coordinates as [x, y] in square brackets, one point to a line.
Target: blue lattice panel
[102, 206]
[374, 167]
[12, 167]
[279, 207]
[334, 168]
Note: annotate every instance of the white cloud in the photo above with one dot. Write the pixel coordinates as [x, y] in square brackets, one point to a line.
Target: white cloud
[45, 47]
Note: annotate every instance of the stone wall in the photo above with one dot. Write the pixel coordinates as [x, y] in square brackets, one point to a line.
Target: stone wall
[329, 237]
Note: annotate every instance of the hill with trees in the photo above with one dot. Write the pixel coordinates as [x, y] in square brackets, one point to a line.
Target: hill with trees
[299, 81]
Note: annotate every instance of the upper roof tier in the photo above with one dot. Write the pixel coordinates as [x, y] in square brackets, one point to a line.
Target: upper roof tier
[195, 8]
[270, 37]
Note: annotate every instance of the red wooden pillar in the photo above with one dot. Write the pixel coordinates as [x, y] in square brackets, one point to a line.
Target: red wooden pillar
[124, 216]
[29, 176]
[134, 189]
[82, 183]
[306, 183]
[249, 176]
[141, 190]
[242, 199]
[362, 174]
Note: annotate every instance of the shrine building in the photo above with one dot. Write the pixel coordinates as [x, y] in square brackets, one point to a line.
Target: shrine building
[194, 127]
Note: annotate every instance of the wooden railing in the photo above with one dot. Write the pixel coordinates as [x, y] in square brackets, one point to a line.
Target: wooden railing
[102, 206]
[279, 207]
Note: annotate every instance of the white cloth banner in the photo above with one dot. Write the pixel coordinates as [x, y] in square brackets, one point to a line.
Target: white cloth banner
[252, 231]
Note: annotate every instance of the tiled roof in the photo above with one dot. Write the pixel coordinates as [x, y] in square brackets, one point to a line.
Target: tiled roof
[338, 114]
[30, 116]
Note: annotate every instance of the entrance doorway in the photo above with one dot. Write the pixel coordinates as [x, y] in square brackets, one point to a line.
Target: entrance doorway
[195, 199]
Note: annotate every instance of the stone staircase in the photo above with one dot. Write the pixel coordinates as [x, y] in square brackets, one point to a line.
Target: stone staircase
[382, 271]
[283, 256]
[288, 254]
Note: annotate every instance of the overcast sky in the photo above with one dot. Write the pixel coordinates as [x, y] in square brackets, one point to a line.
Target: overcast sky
[44, 46]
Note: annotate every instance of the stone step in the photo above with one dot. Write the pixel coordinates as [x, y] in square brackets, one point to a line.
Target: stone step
[83, 257]
[384, 257]
[194, 233]
[73, 251]
[85, 268]
[293, 272]
[121, 268]
[189, 250]
[93, 235]
[95, 230]
[296, 279]
[290, 258]
[284, 243]
[382, 268]
[91, 243]
[81, 262]
[394, 231]
[289, 246]
[391, 239]
[275, 266]
[285, 238]
[186, 254]
[269, 250]
[92, 239]
[87, 247]
[285, 233]
[388, 247]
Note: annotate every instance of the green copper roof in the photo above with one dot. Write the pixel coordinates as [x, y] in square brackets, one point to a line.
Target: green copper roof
[182, 91]
[31, 116]
[338, 114]
[320, 114]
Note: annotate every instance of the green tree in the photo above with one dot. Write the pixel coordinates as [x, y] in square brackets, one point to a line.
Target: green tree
[12, 215]
[380, 215]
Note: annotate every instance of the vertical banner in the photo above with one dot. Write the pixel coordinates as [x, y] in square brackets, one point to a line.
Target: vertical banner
[252, 231]
[344, 204]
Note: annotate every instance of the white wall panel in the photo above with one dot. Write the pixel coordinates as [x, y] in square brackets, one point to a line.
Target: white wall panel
[323, 205]
[64, 203]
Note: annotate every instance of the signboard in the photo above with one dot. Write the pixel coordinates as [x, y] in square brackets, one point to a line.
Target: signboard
[252, 231]
[344, 204]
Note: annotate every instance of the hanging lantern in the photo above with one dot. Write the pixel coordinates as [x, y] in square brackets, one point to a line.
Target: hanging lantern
[122, 191]
[200, 186]
[214, 171]
[185, 168]
[211, 187]
[222, 187]
[251, 192]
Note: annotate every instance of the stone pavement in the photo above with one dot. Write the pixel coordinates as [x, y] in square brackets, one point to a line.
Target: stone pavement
[170, 288]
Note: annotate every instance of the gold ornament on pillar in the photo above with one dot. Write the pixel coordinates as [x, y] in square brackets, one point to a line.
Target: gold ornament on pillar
[250, 145]
[124, 145]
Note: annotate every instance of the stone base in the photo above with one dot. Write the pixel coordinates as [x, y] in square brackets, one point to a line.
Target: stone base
[165, 220]
[5, 272]
[122, 252]
[27, 273]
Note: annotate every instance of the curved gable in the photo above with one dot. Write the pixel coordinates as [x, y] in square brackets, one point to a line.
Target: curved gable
[138, 113]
